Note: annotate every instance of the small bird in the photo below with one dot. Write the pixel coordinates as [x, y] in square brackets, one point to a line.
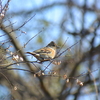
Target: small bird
[46, 53]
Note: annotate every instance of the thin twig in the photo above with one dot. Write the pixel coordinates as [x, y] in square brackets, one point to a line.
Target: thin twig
[7, 79]
[66, 49]
[32, 38]
[62, 45]
[6, 66]
[18, 69]
[47, 66]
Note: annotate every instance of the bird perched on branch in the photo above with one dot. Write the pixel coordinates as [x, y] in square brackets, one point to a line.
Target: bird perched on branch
[46, 53]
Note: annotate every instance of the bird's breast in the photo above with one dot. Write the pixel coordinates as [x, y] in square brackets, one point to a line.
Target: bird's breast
[52, 52]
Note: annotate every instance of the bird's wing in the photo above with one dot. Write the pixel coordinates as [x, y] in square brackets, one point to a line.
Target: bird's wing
[43, 50]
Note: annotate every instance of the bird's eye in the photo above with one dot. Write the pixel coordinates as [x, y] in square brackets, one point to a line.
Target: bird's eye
[42, 50]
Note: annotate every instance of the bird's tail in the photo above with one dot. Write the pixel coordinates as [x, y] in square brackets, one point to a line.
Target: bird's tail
[32, 53]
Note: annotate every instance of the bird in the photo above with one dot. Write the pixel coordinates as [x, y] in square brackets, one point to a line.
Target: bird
[46, 53]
